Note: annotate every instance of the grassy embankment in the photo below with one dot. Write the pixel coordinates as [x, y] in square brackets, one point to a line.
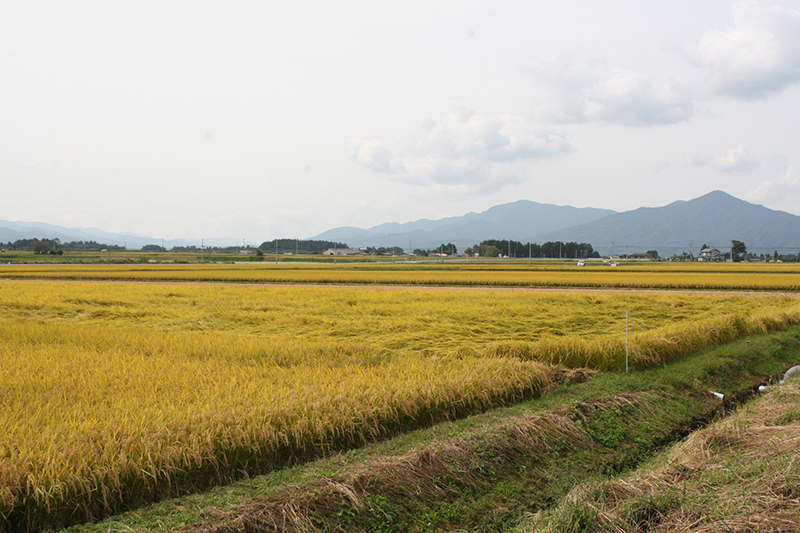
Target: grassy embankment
[739, 474]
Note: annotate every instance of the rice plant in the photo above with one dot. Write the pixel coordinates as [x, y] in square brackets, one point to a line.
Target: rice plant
[114, 394]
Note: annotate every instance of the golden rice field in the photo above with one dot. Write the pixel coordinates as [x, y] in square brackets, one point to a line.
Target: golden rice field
[659, 275]
[114, 394]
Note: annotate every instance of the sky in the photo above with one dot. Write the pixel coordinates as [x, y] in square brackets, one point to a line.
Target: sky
[262, 120]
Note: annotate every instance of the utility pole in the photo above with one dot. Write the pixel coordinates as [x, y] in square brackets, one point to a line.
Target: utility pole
[626, 342]
[202, 248]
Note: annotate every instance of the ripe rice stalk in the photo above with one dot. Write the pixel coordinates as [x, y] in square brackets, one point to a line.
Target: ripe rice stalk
[163, 413]
[737, 276]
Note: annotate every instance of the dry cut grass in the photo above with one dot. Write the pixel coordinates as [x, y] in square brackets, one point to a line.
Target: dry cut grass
[741, 474]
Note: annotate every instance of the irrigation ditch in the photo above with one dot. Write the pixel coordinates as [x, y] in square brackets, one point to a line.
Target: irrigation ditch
[490, 471]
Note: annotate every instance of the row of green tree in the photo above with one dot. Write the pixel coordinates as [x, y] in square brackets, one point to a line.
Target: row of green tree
[54, 246]
[550, 249]
[384, 250]
[292, 246]
[442, 249]
[498, 248]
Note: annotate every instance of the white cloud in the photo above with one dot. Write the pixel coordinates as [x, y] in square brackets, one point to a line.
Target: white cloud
[635, 99]
[739, 159]
[375, 155]
[464, 152]
[561, 89]
[785, 189]
[695, 159]
[735, 160]
[758, 57]
[567, 92]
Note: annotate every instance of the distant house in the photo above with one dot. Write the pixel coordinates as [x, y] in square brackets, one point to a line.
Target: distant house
[647, 257]
[709, 254]
[343, 251]
[683, 257]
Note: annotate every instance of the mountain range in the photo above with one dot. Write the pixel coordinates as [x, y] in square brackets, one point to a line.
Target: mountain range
[14, 231]
[714, 219]
[516, 221]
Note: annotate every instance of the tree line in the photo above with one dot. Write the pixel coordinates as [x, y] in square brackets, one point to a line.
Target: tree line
[283, 246]
[550, 249]
[44, 246]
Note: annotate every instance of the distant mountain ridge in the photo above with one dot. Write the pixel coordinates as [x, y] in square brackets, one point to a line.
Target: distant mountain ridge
[516, 221]
[715, 219]
[17, 230]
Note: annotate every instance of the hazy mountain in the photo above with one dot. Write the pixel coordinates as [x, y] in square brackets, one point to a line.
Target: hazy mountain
[519, 221]
[714, 219]
[12, 231]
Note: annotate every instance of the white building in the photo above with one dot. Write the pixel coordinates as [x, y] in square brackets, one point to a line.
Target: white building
[343, 251]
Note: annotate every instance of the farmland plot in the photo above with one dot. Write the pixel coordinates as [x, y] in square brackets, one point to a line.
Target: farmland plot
[116, 394]
[501, 273]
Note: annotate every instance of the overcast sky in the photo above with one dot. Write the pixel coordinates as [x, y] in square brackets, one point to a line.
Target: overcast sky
[257, 120]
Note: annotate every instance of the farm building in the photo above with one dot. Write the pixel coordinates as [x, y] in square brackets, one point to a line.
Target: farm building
[343, 251]
[709, 254]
